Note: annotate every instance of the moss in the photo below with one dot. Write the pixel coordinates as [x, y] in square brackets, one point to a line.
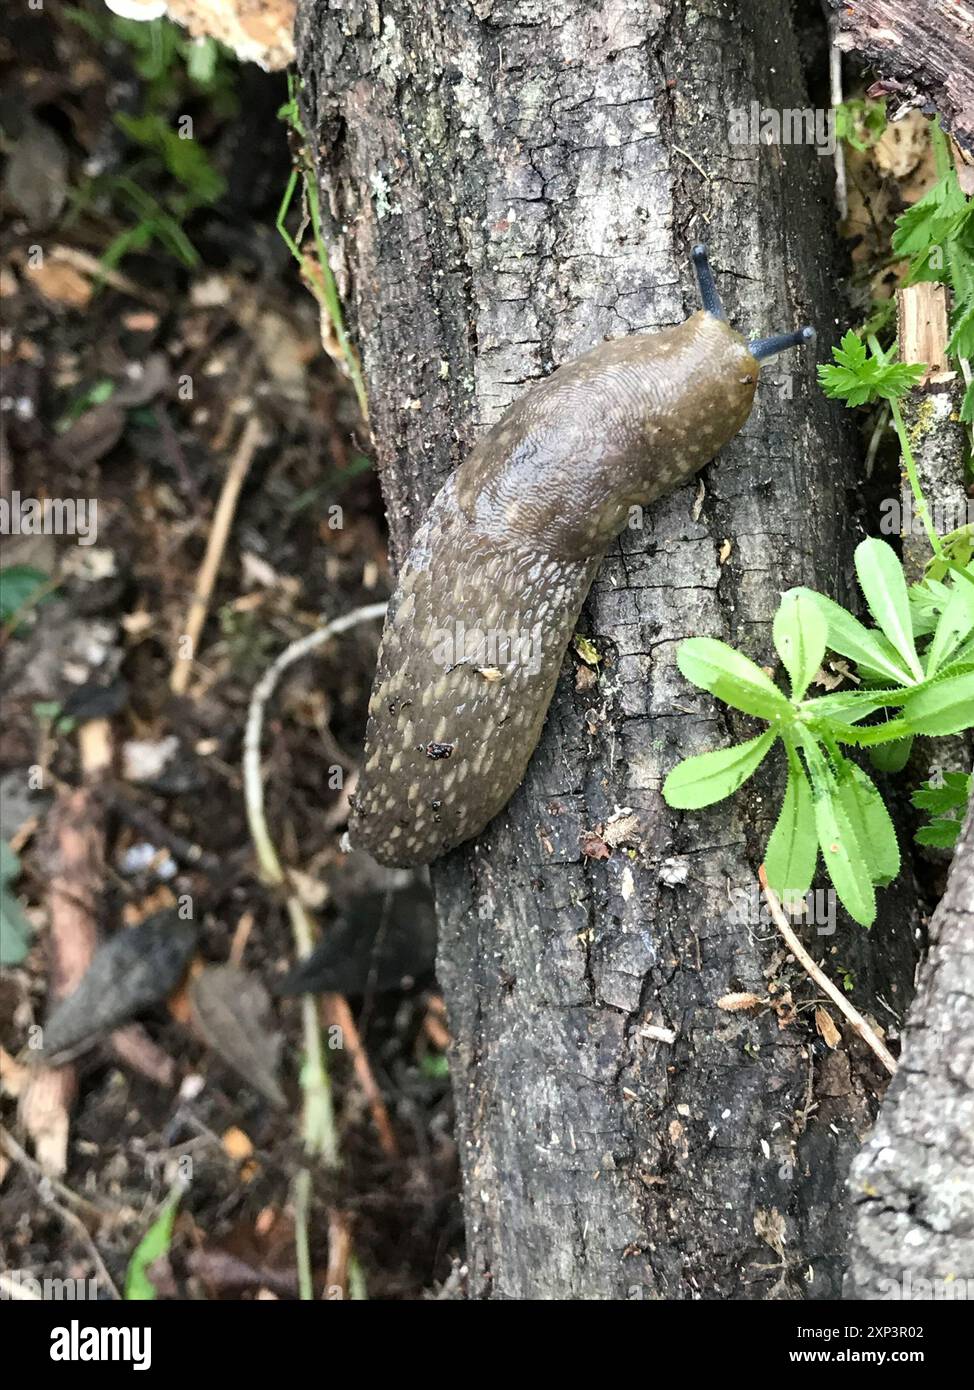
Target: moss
[923, 423]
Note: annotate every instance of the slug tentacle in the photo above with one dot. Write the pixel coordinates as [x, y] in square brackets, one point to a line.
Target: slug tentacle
[763, 348]
[709, 297]
[491, 590]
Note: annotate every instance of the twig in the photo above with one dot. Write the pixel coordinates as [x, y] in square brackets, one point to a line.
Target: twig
[91, 266]
[76, 837]
[339, 1252]
[852, 1014]
[875, 439]
[340, 1016]
[9, 1145]
[699, 168]
[320, 1135]
[219, 531]
[838, 157]
[302, 1246]
[70, 1219]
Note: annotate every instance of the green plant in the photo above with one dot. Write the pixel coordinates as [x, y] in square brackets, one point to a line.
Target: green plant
[945, 798]
[860, 122]
[831, 805]
[858, 376]
[915, 670]
[316, 270]
[22, 588]
[18, 584]
[171, 176]
[15, 929]
[153, 1245]
[936, 235]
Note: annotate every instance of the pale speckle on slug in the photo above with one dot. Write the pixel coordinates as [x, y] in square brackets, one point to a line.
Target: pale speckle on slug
[510, 546]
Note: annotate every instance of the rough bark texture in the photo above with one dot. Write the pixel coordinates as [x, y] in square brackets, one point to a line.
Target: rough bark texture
[938, 438]
[508, 184]
[914, 1180]
[924, 51]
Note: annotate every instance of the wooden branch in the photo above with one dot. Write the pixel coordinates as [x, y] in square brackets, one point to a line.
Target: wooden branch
[852, 1015]
[932, 414]
[922, 49]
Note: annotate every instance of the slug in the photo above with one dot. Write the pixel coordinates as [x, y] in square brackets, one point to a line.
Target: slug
[490, 592]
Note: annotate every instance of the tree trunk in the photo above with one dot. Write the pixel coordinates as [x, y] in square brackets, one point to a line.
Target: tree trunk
[914, 1179]
[507, 184]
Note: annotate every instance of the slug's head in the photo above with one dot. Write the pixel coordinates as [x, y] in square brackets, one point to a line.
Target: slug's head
[668, 402]
[760, 349]
[614, 429]
[697, 389]
[728, 367]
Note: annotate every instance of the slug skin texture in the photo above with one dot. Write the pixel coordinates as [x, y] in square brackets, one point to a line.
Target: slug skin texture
[490, 593]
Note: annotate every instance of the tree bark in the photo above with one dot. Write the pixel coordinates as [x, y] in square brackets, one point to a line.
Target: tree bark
[507, 184]
[913, 1182]
[924, 52]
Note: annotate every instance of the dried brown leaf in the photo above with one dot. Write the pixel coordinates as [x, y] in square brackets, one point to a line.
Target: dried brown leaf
[231, 1009]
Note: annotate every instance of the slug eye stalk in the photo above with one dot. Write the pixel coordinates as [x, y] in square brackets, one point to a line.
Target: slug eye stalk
[709, 297]
[763, 348]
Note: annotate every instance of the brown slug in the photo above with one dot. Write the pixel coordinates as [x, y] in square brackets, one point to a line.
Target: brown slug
[489, 595]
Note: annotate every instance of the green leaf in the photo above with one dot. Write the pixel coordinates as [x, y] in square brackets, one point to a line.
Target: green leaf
[800, 632]
[732, 677]
[860, 123]
[945, 707]
[967, 405]
[185, 159]
[950, 794]
[961, 660]
[201, 61]
[789, 860]
[841, 851]
[955, 625]
[709, 777]
[929, 225]
[152, 1246]
[941, 833]
[928, 598]
[17, 585]
[852, 705]
[892, 757]
[870, 822]
[883, 583]
[15, 928]
[946, 801]
[848, 637]
[586, 650]
[856, 377]
[961, 342]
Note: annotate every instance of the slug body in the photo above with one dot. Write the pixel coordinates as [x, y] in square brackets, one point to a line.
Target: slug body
[489, 595]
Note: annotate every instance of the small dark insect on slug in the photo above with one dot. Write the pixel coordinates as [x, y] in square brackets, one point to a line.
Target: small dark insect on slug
[491, 590]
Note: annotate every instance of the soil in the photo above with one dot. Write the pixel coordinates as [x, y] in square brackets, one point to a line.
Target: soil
[133, 391]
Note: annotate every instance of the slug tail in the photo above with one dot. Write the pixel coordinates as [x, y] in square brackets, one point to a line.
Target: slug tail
[470, 654]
